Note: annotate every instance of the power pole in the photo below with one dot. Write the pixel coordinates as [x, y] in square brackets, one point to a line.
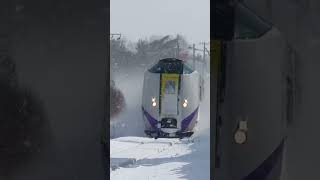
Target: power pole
[194, 49]
[178, 49]
[194, 55]
[204, 56]
[202, 68]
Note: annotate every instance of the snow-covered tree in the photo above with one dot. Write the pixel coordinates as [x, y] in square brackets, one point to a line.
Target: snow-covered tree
[117, 101]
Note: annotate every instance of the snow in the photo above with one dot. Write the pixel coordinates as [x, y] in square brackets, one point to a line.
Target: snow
[135, 157]
[131, 87]
[145, 158]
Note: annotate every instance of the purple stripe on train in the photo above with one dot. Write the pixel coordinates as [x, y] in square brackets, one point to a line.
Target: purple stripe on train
[186, 122]
[153, 122]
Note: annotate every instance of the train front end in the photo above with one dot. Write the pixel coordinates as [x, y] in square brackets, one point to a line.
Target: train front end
[170, 100]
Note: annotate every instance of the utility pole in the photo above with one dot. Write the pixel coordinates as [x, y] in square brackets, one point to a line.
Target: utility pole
[194, 49]
[194, 55]
[208, 51]
[178, 49]
[202, 69]
[204, 56]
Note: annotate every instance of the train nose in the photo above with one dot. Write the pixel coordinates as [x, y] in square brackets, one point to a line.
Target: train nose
[169, 123]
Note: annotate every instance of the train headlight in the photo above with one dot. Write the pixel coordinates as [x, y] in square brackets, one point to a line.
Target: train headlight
[154, 103]
[185, 103]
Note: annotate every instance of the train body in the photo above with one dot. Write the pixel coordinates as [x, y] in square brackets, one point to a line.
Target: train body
[255, 99]
[171, 99]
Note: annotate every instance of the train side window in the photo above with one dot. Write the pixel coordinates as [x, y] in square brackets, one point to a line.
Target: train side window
[187, 69]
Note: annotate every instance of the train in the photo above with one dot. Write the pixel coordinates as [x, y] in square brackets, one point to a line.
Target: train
[254, 80]
[172, 92]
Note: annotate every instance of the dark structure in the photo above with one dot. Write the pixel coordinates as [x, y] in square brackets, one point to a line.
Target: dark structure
[54, 112]
[252, 95]
[24, 129]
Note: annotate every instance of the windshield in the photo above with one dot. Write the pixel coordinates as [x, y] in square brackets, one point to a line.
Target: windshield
[171, 66]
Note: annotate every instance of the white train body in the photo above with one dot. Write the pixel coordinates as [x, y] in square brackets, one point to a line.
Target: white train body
[171, 99]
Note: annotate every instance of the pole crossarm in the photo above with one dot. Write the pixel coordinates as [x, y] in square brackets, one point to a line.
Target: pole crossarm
[115, 34]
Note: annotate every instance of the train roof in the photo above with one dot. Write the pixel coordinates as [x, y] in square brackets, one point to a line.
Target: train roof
[171, 66]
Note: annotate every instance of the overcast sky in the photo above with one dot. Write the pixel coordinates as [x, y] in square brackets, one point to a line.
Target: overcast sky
[136, 19]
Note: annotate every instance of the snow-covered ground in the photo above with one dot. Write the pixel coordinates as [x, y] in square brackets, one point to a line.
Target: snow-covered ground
[145, 158]
[133, 156]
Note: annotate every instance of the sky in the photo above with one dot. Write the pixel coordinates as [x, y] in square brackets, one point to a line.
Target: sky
[141, 19]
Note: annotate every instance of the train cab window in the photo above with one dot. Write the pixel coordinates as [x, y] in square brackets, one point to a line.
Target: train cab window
[248, 25]
[170, 66]
[170, 87]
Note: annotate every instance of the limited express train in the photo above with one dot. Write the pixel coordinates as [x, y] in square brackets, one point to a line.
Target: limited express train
[171, 99]
[254, 77]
